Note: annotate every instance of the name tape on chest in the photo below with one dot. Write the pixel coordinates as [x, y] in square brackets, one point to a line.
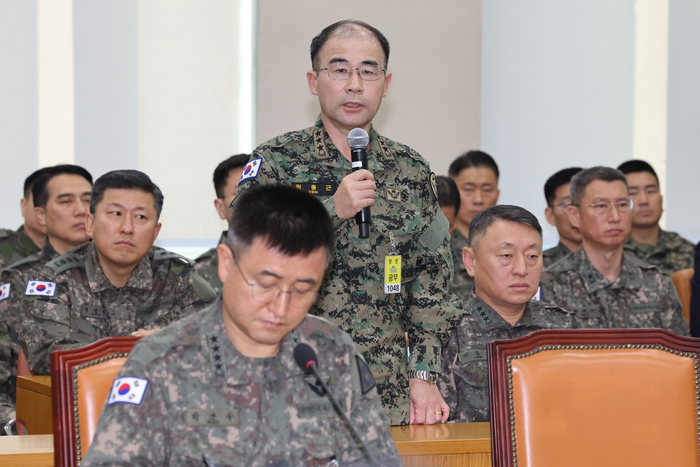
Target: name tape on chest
[127, 390]
[212, 417]
[40, 288]
[649, 307]
[316, 188]
[392, 274]
[5, 291]
[251, 169]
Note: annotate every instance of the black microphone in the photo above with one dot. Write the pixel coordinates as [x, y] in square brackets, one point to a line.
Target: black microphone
[306, 359]
[358, 139]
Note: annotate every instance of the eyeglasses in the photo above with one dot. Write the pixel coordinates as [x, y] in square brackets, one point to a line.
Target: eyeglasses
[342, 72]
[301, 299]
[604, 207]
[563, 206]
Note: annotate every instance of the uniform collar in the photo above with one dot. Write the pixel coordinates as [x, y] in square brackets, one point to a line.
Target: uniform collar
[489, 319]
[379, 156]
[141, 277]
[629, 277]
[47, 251]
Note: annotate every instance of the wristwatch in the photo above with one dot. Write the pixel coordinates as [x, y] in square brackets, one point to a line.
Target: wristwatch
[428, 376]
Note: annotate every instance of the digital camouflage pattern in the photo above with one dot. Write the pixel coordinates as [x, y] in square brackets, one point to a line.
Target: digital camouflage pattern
[205, 398]
[462, 283]
[464, 382]
[207, 266]
[405, 214]
[14, 279]
[15, 246]
[552, 255]
[641, 297]
[670, 254]
[86, 307]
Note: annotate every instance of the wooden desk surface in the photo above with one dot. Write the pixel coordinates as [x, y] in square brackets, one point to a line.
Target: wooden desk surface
[40, 384]
[26, 451]
[450, 438]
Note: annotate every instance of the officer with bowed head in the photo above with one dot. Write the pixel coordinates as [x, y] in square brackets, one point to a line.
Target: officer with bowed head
[223, 384]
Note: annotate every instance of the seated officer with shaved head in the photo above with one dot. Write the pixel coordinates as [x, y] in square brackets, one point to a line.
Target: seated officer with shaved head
[224, 386]
[606, 287]
[115, 285]
[504, 255]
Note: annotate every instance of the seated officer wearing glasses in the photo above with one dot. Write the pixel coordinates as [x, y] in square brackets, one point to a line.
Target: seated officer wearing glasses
[606, 287]
[222, 387]
[557, 192]
[361, 294]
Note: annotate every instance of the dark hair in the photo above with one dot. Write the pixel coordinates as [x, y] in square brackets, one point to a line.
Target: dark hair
[581, 180]
[318, 41]
[635, 165]
[448, 194]
[29, 181]
[472, 159]
[289, 220]
[125, 180]
[506, 212]
[40, 189]
[560, 178]
[222, 170]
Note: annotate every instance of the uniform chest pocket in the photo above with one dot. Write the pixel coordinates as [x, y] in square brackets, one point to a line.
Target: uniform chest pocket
[50, 313]
[472, 369]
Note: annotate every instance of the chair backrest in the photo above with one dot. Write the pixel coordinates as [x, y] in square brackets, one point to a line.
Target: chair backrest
[595, 397]
[80, 383]
[681, 279]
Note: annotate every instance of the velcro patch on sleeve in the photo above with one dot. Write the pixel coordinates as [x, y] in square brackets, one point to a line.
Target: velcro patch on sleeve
[40, 288]
[251, 169]
[5, 291]
[128, 390]
[366, 379]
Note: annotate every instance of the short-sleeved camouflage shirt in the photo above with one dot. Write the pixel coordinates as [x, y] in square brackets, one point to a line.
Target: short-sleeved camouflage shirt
[15, 246]
[406, 222]
[670, 254]
[641, 297]
[79, 305]
[554, 254]
[462, 283]
[207, 266]
[204, 398]
[464, 382]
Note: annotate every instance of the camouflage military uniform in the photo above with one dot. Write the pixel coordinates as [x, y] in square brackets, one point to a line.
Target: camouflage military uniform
[15, 246]
[554, 254]
[406, 221]
[463, 283]
[86, 306]
[670, 254]
[641, 297]
[205, 398]
[13, 281]
[207, 266]
[464, 382]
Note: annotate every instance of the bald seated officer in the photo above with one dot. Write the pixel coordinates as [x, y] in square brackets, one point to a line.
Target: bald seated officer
[222, 387]
[504, 255]
[115, 285]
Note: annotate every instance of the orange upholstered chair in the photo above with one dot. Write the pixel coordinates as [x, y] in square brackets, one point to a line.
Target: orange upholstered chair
[595, 397]
[80, 382]
[681, 279]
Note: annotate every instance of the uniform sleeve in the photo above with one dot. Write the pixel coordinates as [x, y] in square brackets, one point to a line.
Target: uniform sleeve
[7, 377]
[130, 434]
[674, 311]
[447, 384]
[433, 310]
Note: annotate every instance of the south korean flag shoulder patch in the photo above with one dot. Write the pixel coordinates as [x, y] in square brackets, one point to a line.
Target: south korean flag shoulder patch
[40, 288]
[127, 390]
[251, 170]
[5, 291]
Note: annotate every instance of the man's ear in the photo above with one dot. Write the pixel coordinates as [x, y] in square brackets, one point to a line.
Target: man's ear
[549, 214]
[40, 216]
[220, 208]
[225, 261]
[311, 78]
[469, 259]
[574, 216]
[89, 224]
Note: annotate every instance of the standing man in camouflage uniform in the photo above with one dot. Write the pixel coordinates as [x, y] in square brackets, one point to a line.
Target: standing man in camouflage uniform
[226, 177]
[648, 241]
[476, 175]
[505, 258]
[29, 238]
[361, 294]
[62, 200]
[115, 285]
[222, 387]
[606, 287]
[558, 196]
